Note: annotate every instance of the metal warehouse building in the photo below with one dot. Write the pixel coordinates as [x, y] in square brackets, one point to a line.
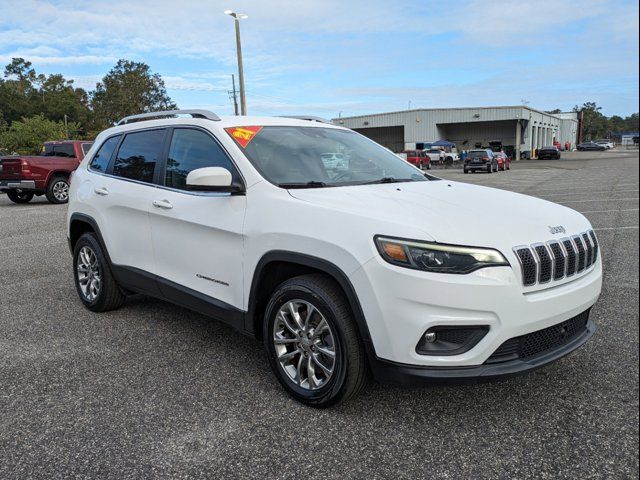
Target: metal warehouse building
[521, 127]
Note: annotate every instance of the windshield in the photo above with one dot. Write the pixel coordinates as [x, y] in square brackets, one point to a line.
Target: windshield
[305, 157]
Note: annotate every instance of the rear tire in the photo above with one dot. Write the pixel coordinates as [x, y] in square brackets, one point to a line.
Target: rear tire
[58, 189]
[19, 197]
[301, 371]
[95, 284]
[490, 168]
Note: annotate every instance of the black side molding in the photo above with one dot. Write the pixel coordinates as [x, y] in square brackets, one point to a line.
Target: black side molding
[153, 285]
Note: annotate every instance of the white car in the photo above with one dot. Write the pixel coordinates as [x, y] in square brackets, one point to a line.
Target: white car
[608, 144]
[339, 274]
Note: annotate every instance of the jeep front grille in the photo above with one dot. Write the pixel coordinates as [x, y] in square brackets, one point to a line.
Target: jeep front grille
[557, 259]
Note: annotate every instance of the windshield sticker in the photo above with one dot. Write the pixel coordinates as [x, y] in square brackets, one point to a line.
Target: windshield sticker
[243, 135]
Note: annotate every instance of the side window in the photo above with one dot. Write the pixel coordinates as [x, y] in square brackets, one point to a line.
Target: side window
[64, 150]
[86, 147]
[100, 160]
[191, 149]
[138, 155]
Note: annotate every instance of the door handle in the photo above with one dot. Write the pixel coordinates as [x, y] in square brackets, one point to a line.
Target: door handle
[164, 204]
[101, 191]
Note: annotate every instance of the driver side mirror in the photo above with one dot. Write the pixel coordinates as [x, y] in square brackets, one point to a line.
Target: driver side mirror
[213, 179]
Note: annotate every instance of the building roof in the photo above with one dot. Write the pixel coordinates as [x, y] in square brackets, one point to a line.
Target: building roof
[414, 110]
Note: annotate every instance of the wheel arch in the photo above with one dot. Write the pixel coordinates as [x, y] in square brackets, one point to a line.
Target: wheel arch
[57, 172]
[79, 224]
[277, 266]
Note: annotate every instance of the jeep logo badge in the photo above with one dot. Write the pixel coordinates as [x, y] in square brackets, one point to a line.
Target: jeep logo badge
[558, 229]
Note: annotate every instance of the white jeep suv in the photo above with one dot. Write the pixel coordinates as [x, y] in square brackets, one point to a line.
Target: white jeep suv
[372, 267]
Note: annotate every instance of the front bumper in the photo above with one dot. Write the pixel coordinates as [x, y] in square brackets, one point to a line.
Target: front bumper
[400, 305]
[401, 374]
[17, 185]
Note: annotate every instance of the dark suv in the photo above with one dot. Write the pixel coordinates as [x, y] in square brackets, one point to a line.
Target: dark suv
[483, 160]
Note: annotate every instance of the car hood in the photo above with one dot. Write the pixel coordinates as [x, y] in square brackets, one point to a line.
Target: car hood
[450, 212]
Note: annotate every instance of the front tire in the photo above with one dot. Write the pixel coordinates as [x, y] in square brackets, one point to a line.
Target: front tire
[312, 343]
[95, 284]
[19, 197]
[58, 190]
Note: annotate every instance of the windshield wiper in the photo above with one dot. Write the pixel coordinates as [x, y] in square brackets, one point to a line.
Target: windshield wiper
[388, 180]
[312, 184]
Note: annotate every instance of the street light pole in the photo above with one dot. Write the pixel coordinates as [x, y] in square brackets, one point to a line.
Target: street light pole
[236, 18]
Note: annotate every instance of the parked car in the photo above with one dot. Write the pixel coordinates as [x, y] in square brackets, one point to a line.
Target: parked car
[549, 152]
[383, 269]
[480, 160]
[437, 155]
[591, 146]
[504, 162]
[418, 158]
[23, 176]
[608, 144]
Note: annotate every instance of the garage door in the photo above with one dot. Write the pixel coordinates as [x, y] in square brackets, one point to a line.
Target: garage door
[390, 137]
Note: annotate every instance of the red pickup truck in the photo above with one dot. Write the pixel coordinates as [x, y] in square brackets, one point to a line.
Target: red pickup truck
[22, 177]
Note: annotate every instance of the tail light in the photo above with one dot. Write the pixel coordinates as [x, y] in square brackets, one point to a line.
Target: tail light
[24, 166]
[486, 159]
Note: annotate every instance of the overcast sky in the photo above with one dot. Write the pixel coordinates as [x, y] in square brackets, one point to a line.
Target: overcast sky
[329, 56]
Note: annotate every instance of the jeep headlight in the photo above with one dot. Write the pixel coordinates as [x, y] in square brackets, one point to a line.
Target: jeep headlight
[437, 257]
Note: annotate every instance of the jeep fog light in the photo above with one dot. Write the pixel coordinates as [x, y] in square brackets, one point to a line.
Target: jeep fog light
[450, 340]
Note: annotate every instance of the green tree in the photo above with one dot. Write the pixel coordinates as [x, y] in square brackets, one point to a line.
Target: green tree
[24, 93]
[129, 88]
[631, 123]
[25, 136]
[594, 123]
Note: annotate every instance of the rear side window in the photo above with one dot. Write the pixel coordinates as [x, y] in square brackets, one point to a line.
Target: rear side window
[191, 149]
[100, 160]
[58, 150]
[138, 155]
[86, 147]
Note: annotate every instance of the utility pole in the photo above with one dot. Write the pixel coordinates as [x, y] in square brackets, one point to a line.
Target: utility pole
[66, 127]
[237, 17]
[232, 94]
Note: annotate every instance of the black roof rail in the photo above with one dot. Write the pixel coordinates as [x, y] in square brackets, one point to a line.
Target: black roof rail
[308, 118]
[169, 113]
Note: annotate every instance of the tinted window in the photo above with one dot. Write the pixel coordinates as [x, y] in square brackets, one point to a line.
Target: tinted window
[138, 155]
[86, 147]
[101, 159]
[478, 154]
[192, 149]
[58, 150]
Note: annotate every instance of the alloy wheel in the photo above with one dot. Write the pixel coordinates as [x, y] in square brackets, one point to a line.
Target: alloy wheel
[304, 344]
[61, 191]
[89, 275]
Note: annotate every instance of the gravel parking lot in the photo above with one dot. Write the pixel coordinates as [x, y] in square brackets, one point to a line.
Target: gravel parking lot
[153, 390]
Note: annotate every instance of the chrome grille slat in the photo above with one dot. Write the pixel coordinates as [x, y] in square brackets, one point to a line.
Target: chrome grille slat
[594, 240]
[559, 259]
[542, 263]
[572, 256]
[582, 253]
[587, 242]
